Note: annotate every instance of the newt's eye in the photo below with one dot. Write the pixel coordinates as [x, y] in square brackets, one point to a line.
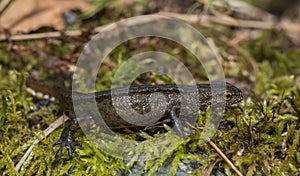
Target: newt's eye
[228, 95]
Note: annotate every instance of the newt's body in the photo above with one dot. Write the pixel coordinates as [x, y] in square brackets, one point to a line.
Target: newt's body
[138, 98]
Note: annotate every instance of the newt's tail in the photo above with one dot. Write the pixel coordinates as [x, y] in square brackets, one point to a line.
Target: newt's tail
[45, 88]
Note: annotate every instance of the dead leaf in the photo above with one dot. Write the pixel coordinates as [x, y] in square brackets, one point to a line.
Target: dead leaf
[28, 15]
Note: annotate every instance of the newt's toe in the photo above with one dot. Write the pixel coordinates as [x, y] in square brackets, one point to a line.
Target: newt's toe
[66, 143]
[67, 140]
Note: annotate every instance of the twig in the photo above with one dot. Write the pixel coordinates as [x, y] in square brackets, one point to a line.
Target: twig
[100, 29]
[4, 4]
[41, 35]
[46, 132]
[230, 21]
[219, 152]
[244, 53]
[225, 158]
[203, 19]
[246, 122]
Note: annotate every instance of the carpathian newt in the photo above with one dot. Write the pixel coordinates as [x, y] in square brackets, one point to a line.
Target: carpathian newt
[138, 98]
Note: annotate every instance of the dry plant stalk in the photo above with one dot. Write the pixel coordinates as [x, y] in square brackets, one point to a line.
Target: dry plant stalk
[57, 123]
[205, 20]
[217, 149]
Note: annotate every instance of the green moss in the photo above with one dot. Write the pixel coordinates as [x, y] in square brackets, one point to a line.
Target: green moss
[269, 146]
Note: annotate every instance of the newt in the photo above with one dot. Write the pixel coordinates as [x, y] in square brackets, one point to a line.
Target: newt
[138, 97]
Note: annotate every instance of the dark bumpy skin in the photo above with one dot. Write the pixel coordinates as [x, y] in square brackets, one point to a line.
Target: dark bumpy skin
[137, 97]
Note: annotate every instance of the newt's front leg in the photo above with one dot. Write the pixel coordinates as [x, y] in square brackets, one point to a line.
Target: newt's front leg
[67, 138]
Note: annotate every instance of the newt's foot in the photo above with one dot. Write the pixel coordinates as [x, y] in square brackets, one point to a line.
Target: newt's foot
[67, 139]
[63, 143]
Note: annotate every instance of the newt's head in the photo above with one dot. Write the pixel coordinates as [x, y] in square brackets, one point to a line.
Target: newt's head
[233, 95]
